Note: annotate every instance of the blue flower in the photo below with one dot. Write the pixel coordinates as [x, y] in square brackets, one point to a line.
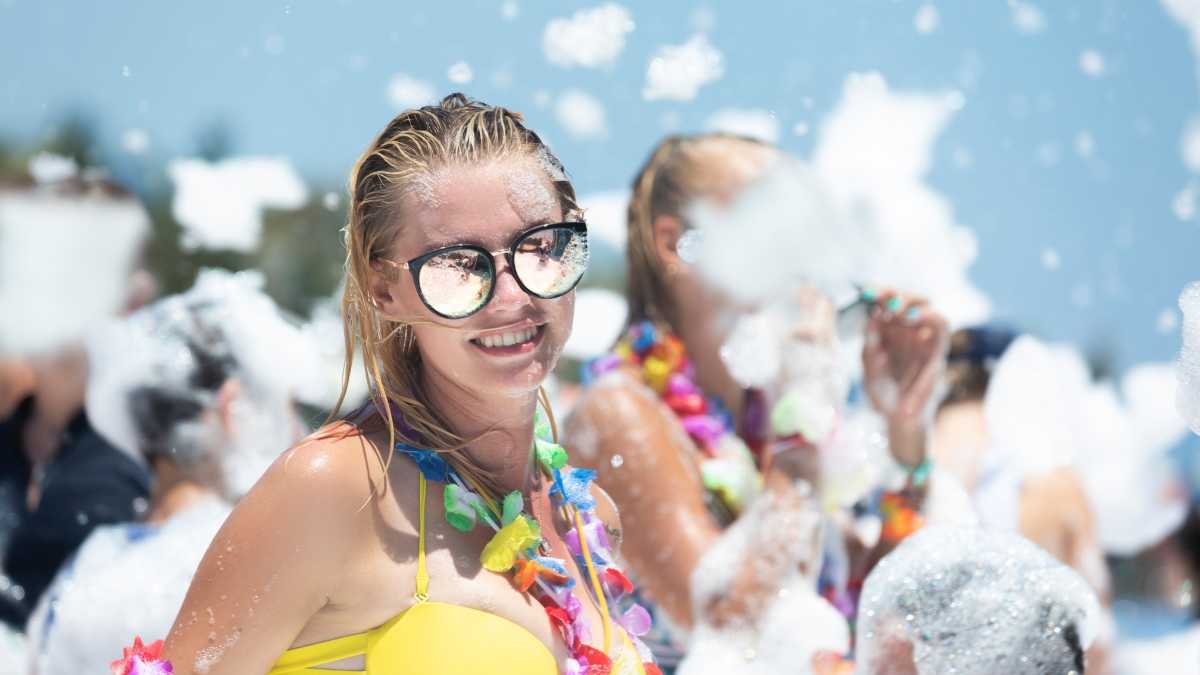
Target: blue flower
[572, 486]
[431, 464]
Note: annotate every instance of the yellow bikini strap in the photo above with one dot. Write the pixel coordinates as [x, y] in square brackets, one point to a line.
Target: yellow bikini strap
[422, 593]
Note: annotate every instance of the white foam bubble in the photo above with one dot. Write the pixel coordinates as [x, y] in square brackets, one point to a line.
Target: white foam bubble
[1188, 397]
[972, 601]
[405, 91]
[874, 152]
[590, 38]
[581, 114]
[120, 585]
[677, 72]
[1044, 412]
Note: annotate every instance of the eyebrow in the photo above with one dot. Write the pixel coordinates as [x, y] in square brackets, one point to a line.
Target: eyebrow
[447, 242]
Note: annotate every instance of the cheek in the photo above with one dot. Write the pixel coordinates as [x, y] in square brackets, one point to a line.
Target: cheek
[560, 312]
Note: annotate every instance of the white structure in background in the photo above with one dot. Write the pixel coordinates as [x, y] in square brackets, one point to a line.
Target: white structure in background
[69, 244]
[676, 72]
[220, 205]
[1043, 412]
[581, 114]
[600, 315]
[591, 38]
[752, 122]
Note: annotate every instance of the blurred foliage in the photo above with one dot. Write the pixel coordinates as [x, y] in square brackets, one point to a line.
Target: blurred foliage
[301, 253]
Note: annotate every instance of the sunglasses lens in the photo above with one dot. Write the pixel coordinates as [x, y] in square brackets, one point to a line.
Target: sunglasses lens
[551, 261]
[457, 282]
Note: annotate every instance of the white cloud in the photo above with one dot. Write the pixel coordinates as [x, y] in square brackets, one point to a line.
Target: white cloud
[927, 19]
[676, 72]
[1026, 16]
[1091, 62]
[221, 205]
[460, 73]
[581, 114]
[752, 122]
[591, 38]
[405, 91]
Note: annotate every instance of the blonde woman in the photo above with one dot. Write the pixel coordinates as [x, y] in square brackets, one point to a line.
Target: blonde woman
[439, 529]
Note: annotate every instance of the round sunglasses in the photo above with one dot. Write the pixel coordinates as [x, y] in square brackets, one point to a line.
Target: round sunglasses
[456, 281]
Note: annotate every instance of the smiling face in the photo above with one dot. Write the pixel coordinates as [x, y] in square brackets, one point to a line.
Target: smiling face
[511, 344]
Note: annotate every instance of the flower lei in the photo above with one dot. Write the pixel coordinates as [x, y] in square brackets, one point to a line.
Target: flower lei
[728, 467]
[518, 549]
[142, 659]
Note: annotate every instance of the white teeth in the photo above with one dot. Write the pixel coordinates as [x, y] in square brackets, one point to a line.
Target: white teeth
[507, 339]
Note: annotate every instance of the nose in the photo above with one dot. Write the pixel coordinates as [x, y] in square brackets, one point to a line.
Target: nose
[509, 294]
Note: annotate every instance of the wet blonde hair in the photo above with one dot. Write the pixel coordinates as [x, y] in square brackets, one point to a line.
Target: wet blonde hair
[456, 132]
[680, 170]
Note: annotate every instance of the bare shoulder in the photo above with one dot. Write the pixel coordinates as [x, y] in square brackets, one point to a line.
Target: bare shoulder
[617, 401]
[316, 489]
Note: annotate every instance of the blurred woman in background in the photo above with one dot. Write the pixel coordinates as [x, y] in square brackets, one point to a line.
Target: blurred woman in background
[172, 386]
[686, 466]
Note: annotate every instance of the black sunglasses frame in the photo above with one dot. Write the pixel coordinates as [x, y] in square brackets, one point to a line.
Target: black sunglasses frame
[414, 265]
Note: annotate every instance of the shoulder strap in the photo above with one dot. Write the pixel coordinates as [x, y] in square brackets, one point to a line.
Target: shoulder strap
[422, 592]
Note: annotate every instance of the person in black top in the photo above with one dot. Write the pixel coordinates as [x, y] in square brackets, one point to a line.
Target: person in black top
[82, 481]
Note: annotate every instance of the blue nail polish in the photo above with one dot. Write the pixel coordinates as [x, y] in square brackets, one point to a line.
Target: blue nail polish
[912, 313]
[869, 294]
[894, 304]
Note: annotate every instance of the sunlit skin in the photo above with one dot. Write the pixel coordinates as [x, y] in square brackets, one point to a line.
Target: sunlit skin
[309, 555]
[657, 483]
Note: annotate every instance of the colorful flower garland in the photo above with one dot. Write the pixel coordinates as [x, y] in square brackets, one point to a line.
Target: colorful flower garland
[518, 548]
[728, 466]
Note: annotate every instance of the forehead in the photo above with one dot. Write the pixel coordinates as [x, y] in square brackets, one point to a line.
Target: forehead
[484, 204]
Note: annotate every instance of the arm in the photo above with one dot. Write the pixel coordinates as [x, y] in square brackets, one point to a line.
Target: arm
[274, 564]
[657, 486]
[654, 483]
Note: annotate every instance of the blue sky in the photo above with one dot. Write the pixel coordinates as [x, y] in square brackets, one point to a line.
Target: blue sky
[308, 80]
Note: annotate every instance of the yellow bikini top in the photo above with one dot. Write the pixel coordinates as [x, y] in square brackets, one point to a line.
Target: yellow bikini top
[430, 637]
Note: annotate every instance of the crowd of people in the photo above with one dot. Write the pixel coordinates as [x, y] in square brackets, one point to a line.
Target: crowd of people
[819, 477]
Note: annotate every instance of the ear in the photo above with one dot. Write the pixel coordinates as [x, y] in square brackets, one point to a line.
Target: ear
[227, 397]
[380, 279]
[667, 230]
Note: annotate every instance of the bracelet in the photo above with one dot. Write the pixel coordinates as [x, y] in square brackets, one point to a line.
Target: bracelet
[919, 475]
